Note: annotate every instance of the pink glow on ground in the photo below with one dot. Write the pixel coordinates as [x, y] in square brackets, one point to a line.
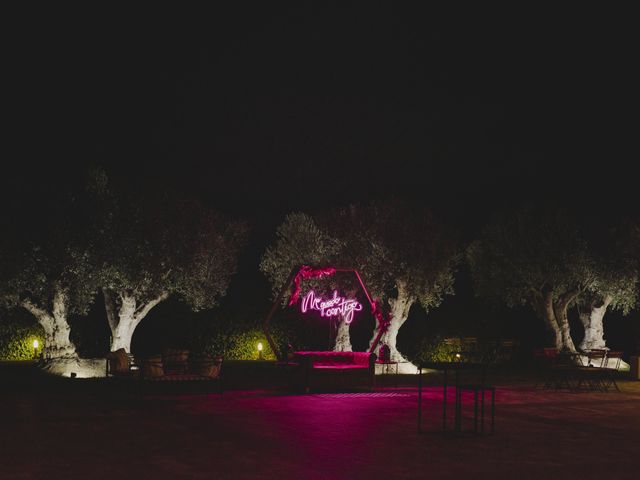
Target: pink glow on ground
[261, 435]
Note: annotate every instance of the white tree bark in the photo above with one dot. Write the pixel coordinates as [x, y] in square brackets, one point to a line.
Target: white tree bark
[400, 307]
[560, 309]
[555, 317]
[550, 320]
[592, 317]
[124, 320]
[343, 339]
[56, 327]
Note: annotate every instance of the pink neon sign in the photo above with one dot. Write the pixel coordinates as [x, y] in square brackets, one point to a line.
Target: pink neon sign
[336, 305]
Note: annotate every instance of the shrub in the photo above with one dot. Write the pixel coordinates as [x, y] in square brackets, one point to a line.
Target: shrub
[16, 340]
[237, 341]
[244, 346]
[435, 350]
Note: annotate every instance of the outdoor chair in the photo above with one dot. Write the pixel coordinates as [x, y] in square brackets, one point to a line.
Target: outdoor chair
[554, 369]
[151, 367]
[469, 351]
[175, 371]
[120, 364]
[505, 351]
[545, 356]
[564, 372]
[599, 374]
[596, 357]
[498, 352]
[454, 348]
[593, 374]
[609, 373]
[591, 370]
[500, 355]
[175, 361]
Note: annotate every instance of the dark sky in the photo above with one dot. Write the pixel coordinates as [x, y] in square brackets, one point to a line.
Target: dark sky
[259, 111]
[311, 106]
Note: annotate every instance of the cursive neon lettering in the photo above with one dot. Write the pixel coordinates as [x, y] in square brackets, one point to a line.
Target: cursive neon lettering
[332, 307]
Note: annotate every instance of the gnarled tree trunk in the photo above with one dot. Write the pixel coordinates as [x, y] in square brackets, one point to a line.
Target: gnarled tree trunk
[124, 315]
[545, 310]
[591, 316]
[554, 314]
[343, 339]
[56, 327]
[560, 309]
[400, 307]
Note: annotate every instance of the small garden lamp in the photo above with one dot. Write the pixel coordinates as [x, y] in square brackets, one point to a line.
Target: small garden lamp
[36, 344]
[259, 350]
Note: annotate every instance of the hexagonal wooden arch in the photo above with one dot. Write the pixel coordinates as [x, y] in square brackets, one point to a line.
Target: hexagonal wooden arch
[303, 271]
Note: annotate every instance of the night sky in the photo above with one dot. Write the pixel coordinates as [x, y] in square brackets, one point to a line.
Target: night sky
[313, 106]
[260, 111]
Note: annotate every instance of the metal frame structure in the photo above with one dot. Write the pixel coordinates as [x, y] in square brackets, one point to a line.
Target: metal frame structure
[295, 275]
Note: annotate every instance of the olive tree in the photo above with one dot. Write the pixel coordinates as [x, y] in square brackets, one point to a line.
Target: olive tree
[46, 267]
[536, 258]
[405, 254]
[154, 245]
[616, 279]
[300, 241]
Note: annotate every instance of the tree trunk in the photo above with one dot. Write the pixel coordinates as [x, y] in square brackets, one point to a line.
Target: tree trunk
[545, 310]
[125, 324]
[591, 317]
[343, 339]
[400, 307]
[56, 328]
[555, 318]
[125, 317]
[560, 310]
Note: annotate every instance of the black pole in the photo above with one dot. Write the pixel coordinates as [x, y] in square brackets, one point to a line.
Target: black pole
[274, 307]
[420, 399]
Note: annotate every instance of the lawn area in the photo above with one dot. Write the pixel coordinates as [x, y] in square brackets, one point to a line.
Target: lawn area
[73, 428]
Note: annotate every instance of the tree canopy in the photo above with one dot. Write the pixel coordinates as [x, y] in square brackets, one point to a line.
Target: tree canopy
[522, 255]
[404, 254]
[46, 267]
[151, 246]
[616, 272]
[551, 259]
[299, 241]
